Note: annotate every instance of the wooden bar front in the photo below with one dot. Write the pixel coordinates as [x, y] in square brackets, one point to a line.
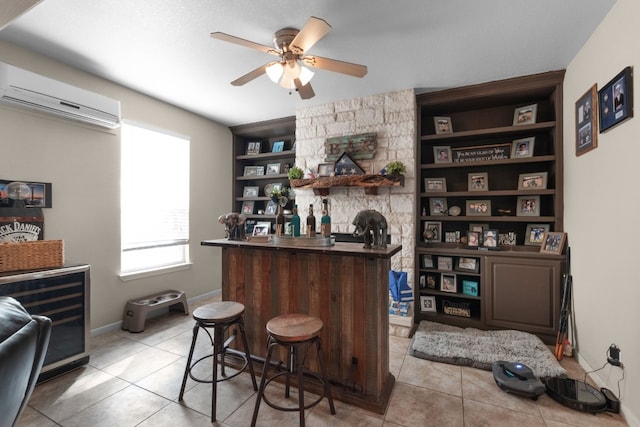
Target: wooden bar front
[344, 285]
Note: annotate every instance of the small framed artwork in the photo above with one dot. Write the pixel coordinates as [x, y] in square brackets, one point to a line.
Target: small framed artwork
[445, 263]
[278, 146]
[273, 168]
[587, 121]
[247, 207]
[478, 181]
[470, 287]
[39, 195]
[438, 206]
[507, 239]
[468, 264]
[326, 169]
[535, 233]
[478, 227]
[271, 208]
[261, 229]
[432, 281]
[528, 206]
[253, 170]
[427, 261]
[250, 192]
[525, 115]
[432, 231]
[489, 238]
[448, 283]
[435, 185]
[427, 303]
[615, 100]
[452, 237]
[443, 125]
[533, 181]
[522, 147]
[473, 239]
[254, 147]
[553, 243]
[441, 154]
[479, 207]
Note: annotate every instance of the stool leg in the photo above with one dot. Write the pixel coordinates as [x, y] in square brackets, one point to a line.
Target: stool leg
[325, 377]
[263, 380]
[187, 369]
[218, 342]
[245, 344]
[289, 367]
[299, 366]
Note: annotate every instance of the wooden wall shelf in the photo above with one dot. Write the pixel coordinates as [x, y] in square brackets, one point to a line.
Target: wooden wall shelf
[370, 183]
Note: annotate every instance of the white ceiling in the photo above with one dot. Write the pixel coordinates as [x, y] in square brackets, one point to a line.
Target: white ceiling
[162, 47]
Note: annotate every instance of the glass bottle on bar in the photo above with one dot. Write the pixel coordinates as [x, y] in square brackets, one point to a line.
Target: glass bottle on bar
[325, 220]
[311, 223]
[295, 222]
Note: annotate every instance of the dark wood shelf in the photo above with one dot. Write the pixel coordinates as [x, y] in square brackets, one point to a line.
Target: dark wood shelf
[499, 131]
[370, 183]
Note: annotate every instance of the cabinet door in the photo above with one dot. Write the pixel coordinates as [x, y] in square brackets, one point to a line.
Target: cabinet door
[524, 294]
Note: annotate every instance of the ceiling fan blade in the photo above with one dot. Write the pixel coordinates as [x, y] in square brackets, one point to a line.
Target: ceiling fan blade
[246, 43]
[335, 65]
[314, 29]
[305, 91]
[251, 75]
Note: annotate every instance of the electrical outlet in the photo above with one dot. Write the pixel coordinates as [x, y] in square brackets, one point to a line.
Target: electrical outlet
[614, 355]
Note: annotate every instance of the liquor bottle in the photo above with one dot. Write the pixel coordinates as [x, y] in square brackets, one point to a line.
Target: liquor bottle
[311, 223]
[325, 220]
[295, 222]
[279, 222]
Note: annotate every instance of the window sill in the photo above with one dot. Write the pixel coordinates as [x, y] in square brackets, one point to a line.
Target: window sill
[126, 277]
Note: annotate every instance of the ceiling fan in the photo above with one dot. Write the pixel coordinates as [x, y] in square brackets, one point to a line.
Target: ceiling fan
[291, 46]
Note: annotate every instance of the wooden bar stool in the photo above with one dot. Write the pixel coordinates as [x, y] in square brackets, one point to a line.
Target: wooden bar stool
[295, 332]
[219, 316]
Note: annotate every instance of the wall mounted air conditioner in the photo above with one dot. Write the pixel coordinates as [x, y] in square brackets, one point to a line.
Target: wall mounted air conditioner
[24, 88]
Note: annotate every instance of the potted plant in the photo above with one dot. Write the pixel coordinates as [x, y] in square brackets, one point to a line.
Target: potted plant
[295, 173]
[396, 168]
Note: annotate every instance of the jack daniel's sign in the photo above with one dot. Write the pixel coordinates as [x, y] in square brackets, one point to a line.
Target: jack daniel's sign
[21, 224]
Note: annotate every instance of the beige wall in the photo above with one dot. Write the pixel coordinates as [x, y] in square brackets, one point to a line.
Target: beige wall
[83, 163]
[601, 211]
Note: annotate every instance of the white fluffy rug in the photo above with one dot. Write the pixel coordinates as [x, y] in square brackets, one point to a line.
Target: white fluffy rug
[479, 349]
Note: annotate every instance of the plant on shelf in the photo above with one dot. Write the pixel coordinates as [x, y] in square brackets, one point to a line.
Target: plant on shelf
[295, 173]
[395, 168]
[280, 197]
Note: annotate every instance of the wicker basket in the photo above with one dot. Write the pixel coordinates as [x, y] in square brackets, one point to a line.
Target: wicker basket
[31, 255]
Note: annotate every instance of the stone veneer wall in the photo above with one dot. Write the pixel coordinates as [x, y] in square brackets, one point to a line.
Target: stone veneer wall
[392, 116]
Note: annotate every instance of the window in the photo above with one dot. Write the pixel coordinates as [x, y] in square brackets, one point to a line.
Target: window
[154, 199]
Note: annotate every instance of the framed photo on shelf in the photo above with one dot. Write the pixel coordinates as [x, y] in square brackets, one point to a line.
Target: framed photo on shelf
[441, 154]
[278, 146]
[271, 209]
[432, 281]
[253, 147]
[247, 207]
[525, 115]
[427, 261]
[427, 303]
[250, 191]
[438, 206]
[533, 181]
[445, 263]
[261, 228]
[478, 181]
[468, 264]
[253, 170]
[442, 124]
[615, 100]
[490, 238]
[448, 283]
[473, 239]
[470, 287]
[273, 168]
[432, 231]
[522, 147]
[587, 121]
[528, 206]
[553, 243]
[535, 234]
[435, 185]
[326, 169]
[478, 207]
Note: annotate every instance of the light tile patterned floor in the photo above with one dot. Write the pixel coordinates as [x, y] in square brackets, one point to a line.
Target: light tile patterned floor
[134, 380]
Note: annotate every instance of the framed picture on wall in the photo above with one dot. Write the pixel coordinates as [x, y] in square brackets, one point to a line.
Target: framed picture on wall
[587, 121]
[615, 100]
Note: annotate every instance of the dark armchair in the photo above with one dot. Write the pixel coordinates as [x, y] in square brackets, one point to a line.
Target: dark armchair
[23, 344]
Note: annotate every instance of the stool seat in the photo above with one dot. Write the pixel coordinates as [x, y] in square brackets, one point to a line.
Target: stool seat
[218, 312]
[294, 327]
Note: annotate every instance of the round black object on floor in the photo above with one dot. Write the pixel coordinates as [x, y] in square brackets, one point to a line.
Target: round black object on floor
[576, 394]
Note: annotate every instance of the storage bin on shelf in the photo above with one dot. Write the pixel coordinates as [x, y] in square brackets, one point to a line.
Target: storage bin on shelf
[31, 255]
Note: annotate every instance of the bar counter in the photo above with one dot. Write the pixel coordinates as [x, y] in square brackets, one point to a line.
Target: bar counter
[344, 285]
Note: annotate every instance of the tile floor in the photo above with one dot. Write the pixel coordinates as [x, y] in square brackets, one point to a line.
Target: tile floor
[134, 380]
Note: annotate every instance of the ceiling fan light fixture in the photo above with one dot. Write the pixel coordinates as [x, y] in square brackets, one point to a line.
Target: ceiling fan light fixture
[274, 71]
[292, 71]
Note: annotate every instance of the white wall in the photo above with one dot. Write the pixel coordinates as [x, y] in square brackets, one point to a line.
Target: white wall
[602, 209]
[83, 163]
